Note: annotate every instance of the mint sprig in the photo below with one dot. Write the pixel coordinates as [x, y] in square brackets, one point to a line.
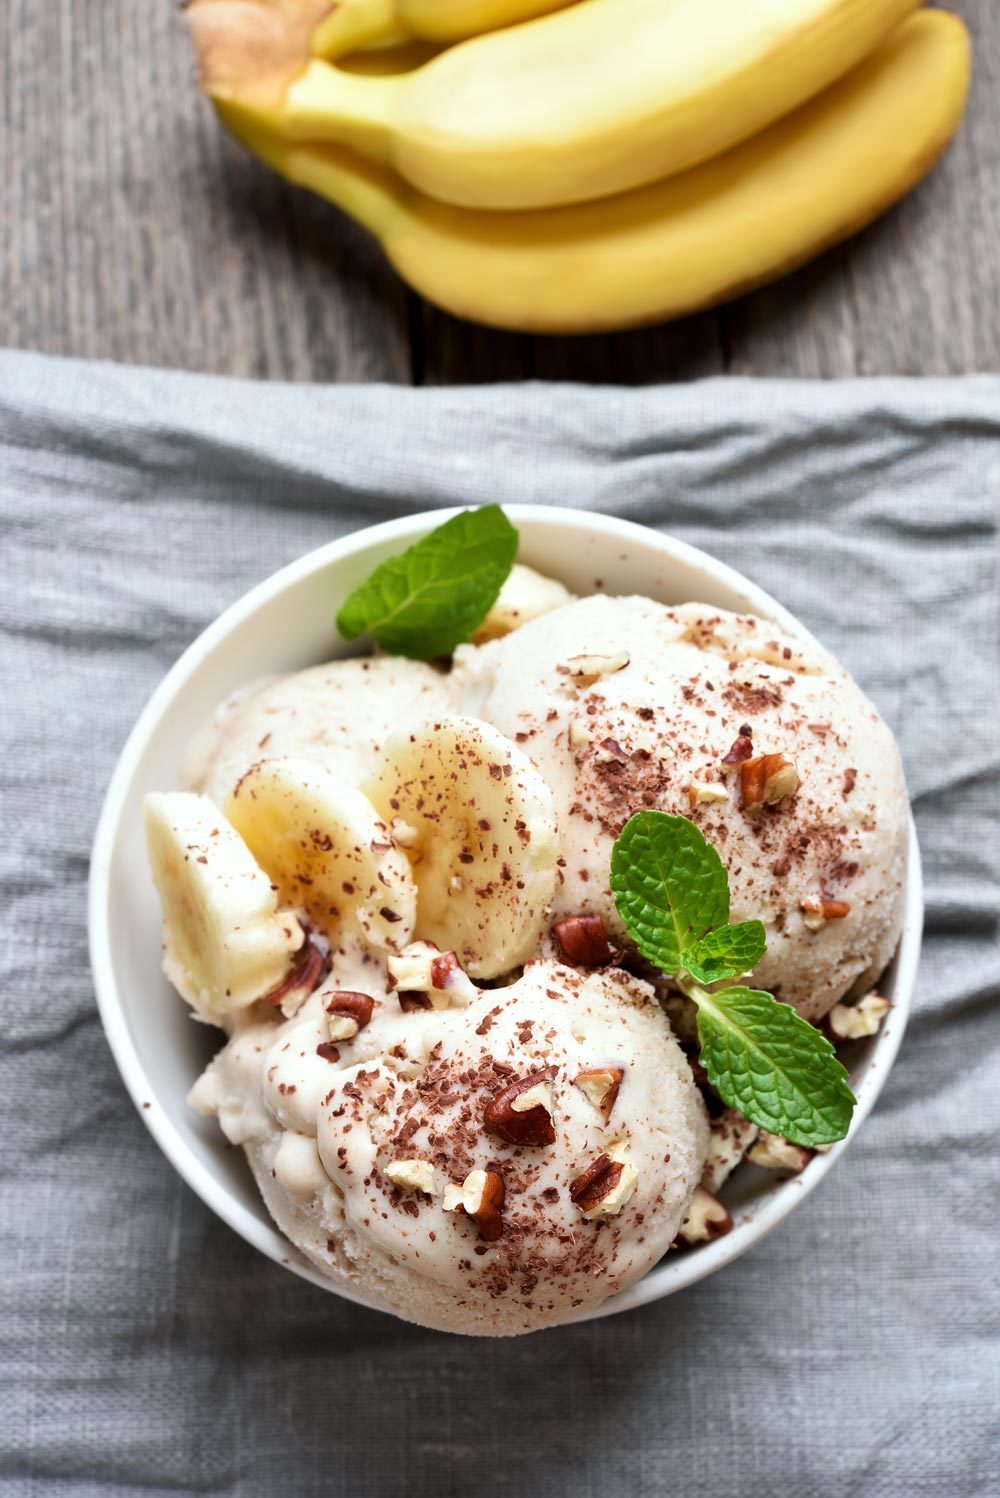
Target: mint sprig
[672, 892]
[670, 886]
[783, 1071]
[436, 593]
[726, 952]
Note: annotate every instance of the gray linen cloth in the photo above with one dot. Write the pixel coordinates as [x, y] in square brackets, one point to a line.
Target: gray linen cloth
[144, 1347]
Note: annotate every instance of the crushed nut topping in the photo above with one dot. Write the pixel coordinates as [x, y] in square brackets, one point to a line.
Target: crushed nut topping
[582, 940]
[816, 913]
[610, 752]
[411, 1175]
[426, 978]
[291, 993]
[774, 1153]
[481, 1197]
[857, 1021]
[741, 750]
[706, 1218]
[704, 793]
[600, 1086]
[768, 779]
[349, 1013]
[521, 1113]
[586, 669]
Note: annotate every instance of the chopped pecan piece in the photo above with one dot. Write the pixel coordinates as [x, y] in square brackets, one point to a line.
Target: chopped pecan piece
[521, 1113]
[582, 940]
[291, 993]
[816, 913]
[768, 779]
[481, 1197]
[741, 750]
[605, 1186]
[349, 1013]
[706, 1218]
[600, 1087]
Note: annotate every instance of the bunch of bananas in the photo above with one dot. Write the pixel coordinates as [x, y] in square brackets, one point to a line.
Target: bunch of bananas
[598, 164]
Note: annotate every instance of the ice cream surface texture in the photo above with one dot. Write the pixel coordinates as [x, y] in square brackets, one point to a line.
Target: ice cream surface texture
[625, 704]
[402, 1120]
[451, 1107]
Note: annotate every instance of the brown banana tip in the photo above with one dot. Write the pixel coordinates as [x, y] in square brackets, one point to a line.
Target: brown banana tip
[251, 50]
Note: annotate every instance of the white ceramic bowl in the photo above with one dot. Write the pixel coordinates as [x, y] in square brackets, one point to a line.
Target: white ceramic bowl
[282, 625]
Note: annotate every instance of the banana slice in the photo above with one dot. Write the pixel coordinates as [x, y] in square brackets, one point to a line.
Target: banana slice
[326, 848]
[482, 836]
[525, 595]
[225, 941]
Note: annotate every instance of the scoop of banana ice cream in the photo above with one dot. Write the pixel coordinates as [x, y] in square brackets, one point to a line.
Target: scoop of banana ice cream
[495, 1160]
[488, 1169]
[766, 743]
[339, 714]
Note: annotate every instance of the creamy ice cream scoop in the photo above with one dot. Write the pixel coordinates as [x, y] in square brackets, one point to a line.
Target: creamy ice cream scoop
[491, 1160]
[488, 1169]
[339, 715]
[765, 743]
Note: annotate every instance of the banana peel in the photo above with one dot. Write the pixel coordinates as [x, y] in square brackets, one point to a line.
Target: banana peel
[594, 100]
[734, 223]
[379, 23]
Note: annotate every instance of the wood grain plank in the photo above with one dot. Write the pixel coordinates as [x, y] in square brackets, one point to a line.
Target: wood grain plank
[455, 353]
[688, 349]
[918, 293]
[132, 229]
[928, 277]
[448, 351]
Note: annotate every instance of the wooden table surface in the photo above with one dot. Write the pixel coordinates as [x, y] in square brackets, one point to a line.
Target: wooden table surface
[132, 229]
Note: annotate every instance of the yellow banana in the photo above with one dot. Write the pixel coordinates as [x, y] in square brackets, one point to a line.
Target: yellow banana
[733, 223]
[368, 23]
[594, 100]
[381, 62]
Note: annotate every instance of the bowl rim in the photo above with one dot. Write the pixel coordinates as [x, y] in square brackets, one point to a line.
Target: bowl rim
[670, 1274]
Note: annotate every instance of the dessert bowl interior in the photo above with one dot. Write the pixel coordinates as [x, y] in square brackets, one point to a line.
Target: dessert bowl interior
[282, 625]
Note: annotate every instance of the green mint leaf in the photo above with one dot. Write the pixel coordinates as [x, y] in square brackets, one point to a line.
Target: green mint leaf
[726, 952]
[672, 892]
[773, 1066]
[434, 595]
[669, 884]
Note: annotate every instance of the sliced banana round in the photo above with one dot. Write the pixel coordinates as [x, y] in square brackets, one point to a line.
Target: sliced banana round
[525, 595]
[225, 941]
[326, 848]
[481, 838]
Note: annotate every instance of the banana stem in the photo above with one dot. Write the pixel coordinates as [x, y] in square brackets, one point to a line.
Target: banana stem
[357, 23]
